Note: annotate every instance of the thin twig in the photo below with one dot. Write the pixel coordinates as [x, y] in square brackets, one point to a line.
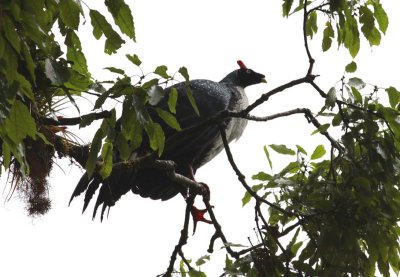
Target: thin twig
[242, 178]
[183, 238]
[310, 58]
[270, 231]
[218, 229]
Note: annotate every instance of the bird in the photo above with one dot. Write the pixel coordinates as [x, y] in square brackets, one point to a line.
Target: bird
[189, 150]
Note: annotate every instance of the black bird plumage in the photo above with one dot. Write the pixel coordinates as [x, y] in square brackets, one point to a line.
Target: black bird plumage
[189, 151]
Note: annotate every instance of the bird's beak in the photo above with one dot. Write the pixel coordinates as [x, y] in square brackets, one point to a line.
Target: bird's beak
[263, 80]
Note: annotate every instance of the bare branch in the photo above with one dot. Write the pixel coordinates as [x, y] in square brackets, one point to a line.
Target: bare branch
[310, 58]
[218, 229]
[183, 238]
[74, 120]
[263, 98]
[242, 178]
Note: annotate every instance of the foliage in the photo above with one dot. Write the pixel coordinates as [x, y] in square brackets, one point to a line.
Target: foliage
[333, 212]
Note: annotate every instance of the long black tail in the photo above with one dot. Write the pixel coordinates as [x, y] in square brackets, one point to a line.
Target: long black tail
[150, 183]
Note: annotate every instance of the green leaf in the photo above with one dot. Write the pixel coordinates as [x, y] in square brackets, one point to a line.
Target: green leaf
[246, 198]
[19, 124]
[351, 35]
[32, 31]
[25, 87]
[6, 152]
[286, 7]
[56, 72]
[368, 28]
[122, 16]
[268, 158]
[321, 129]
[162, 71]
[69, 13]
[337, 119]
[71, 99]
[172, 100]
[130, 126]
[311, 24]
[168, 118]
[202, 260]
[100, 27]
[328, 36]
[318, 152]
[150, 83]
[184, 72]
[301, 149]
[394, 96]
[74, 53]
[330, 100]
[192, 101]
[107, 158]
[351, 67]
[134, 59]
[262, 176]
[115, 70]
[195, 273]
[94, 150]
[156, 93]
[182, 268]
[156, 136]
[101, 133]
[10, 58]
[357, 95]
[282, 149]
[295, 247]
[380, 16]
[10, 33]
[356, 82]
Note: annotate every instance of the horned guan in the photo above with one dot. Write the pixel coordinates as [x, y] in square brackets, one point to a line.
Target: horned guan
[189, 150]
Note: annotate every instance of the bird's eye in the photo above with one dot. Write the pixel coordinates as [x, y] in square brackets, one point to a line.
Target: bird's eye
[248, 71]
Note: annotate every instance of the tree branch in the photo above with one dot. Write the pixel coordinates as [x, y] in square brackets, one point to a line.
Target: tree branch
[310, 58]
[183, 238]
[242, 178]
[218, 229]
[263, 98]
[74, 120]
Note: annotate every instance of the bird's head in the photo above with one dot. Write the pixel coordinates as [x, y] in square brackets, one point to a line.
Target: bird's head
[244, 77]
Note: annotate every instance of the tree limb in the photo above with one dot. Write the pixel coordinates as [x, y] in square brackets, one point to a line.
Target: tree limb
[73, 120]
[183, 238]
[242, 178]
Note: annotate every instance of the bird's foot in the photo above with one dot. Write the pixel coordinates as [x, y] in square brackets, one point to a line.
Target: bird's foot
[198, 215]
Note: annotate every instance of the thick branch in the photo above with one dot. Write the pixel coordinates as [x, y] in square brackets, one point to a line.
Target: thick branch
[74, 120]
[149, 161]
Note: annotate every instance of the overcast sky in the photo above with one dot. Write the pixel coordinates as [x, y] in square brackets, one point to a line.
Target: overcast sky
[207, 37]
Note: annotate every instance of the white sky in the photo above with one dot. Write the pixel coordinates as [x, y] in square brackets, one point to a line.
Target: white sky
[207, 37]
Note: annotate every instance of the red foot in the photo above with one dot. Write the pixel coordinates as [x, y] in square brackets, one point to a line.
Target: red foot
[198, 215]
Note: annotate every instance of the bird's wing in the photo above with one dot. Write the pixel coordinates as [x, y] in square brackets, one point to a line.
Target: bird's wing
[211, 98]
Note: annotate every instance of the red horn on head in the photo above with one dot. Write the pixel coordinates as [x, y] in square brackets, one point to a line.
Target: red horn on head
[241, 64]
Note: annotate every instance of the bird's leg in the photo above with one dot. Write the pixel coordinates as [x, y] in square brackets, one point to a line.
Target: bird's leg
[197, 214]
